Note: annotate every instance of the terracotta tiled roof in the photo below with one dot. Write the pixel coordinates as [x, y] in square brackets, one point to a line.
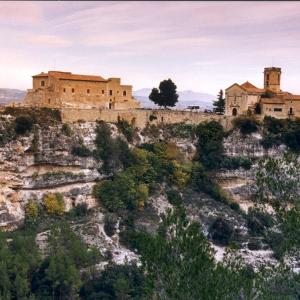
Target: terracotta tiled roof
[272, 101]
[70, 76]
[291, 97]
[251, 88]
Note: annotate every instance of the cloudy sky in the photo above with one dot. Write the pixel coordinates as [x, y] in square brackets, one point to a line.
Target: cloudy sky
[202, 46]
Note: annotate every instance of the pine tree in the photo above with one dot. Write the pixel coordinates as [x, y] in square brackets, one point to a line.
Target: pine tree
[219, 104]
[166, 95]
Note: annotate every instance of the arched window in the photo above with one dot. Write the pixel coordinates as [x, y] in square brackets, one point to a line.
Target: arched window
[234, 112]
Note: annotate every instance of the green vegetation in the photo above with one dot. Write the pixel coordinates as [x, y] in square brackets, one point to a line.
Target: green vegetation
[219, 104]
[165, 95]
[7, 132]
[278, 186]
[66, 129]
[246, 125]
[281, 131]
[127, 129]
[114, 153]
[54, 203]
[23, 124]
[116, 282]
[210, 150]
[151, 165]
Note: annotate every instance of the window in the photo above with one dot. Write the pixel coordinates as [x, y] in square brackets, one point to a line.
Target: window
[102, 91]
[88, 91]
[277, 109]
[64, 90]
[291, 110]
[267, 82]
[42, 83]
[110, 92]
[73, 91]
[124, 93]
[268, 76]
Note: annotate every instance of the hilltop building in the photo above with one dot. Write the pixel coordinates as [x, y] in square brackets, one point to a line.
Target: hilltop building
[57, 89]
[269, 100]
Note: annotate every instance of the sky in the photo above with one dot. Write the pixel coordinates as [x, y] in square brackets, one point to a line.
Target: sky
[201, 46]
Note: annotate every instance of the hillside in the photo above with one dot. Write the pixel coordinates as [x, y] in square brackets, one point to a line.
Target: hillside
[11, 95]
[185, 99]
[95, 199]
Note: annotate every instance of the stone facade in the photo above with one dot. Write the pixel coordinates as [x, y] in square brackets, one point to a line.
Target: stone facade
[141, 117]
[63, 89]
[270, 101]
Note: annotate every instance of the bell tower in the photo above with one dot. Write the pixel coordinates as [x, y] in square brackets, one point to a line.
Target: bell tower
[272, 79]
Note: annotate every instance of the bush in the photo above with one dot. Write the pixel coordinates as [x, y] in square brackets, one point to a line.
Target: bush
[66, 129]
[174, 197]
[114, 153]
[246, 125]
[23, 124]
[201, 182]
[233, 163]
[127, 129]
[210, 150]
[110, 221]
[32, 210]
[81, 151]
[221, 232]
[80, 210]
[258, 221]
[54, 203]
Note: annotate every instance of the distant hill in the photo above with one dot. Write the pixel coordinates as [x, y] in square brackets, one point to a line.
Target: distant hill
[11, 95]
[186, 98]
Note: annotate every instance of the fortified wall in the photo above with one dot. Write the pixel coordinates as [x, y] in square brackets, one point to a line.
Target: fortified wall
[141, 117]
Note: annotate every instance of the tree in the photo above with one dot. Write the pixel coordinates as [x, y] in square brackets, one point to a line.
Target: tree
[166, 95]
[219, 104]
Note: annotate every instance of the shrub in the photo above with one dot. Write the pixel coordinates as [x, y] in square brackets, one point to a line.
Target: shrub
[127, 129]
[54, 203]
[66, 129]
[81, 151]
[258, 221]
[174, 197]
[110, 221]
[221, 231]
[247, 125]
[32, 210]
[210, 148]
[200, 181]
[234, 206]
[23, 124]
[114, 153]
[233, 163]
[80, 210]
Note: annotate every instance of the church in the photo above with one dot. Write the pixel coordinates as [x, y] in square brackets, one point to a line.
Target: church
[243, 99]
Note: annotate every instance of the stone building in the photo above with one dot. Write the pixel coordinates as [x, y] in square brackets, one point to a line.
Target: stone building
[57, 89]
[269, 100]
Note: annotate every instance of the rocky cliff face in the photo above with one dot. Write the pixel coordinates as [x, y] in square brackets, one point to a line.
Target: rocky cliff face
[41, 162]
[35, 164]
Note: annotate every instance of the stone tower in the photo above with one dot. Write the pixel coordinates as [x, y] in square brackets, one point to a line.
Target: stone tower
[272, 79]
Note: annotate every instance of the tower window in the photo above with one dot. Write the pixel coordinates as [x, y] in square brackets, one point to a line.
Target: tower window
[88, 91]
[110, 92]
[73, 91]
[124, 93]
[64, 90]
[42, 83]
[268, 77]
[102, 91]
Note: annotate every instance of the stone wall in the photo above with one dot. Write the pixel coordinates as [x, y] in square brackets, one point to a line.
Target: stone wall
[141, 117]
